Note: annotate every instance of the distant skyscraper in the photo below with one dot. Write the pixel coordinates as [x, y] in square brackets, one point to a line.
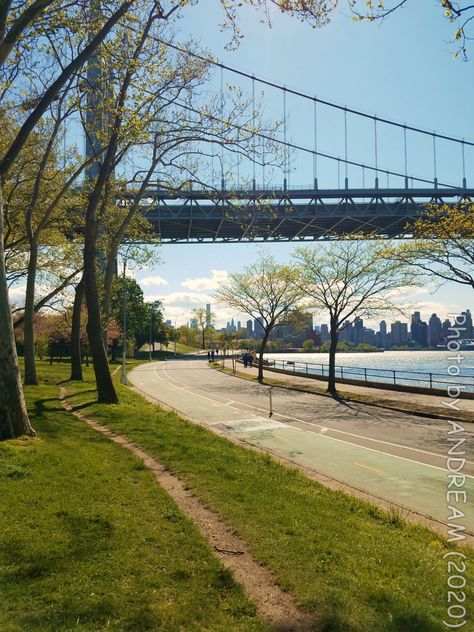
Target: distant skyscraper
[324, 333]
[358, 331]
[258, 328]
[446, 329]
[399, 333]
[249, 328]
[208, 314]
[435, 331]
[381, 335]
[347, 332]
[467, 324]
[419, 333]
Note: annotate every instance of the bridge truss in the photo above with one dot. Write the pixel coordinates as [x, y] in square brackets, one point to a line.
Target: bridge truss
[274, 215]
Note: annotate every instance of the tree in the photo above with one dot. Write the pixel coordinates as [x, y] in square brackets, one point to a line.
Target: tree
[16, 25]
[442, 245]
[138, 313]
[350, 278]
[37, 28]
[460, 14]
[204, 321]
[267, 291]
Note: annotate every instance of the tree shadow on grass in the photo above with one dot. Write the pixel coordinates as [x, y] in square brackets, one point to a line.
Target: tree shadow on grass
[393, 619]
[81, 555]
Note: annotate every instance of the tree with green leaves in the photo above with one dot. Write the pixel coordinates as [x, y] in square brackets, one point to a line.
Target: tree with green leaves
[442, 246]
[350, 278]
[266, 291]
[204, 321]
[21, 27]
[459, 14]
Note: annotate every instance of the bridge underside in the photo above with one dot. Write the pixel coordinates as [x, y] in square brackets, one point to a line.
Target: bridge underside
[201, 217]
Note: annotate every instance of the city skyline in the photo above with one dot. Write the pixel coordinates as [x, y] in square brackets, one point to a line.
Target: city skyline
[432, 332]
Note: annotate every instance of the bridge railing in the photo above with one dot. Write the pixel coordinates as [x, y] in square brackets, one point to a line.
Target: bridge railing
[397, 377]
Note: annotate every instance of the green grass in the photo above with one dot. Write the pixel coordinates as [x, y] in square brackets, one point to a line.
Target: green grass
[89, 541]
[357, 567]
[182, 349]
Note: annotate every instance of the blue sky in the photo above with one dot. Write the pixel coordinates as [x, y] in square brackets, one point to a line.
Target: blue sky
[401, 69]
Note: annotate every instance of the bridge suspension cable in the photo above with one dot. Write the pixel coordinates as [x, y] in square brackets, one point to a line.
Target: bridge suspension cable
[289, 145]
[315, 99]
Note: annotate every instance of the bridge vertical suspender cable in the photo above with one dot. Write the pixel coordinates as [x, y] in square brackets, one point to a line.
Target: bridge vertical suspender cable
[253, 132]
[223, 130]
[463, 165]
[345, 149]
[376, 154]
[435, 181]
[285, 150]
[315, 154]
[406, 154]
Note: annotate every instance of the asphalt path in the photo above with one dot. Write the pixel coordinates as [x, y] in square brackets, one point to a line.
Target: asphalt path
[395, 456]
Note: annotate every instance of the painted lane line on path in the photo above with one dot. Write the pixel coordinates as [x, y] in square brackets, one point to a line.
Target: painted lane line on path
[324, 436]
[368, 467]
[353, 434]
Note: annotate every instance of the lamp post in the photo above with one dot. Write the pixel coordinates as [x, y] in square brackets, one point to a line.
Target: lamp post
[174, 336]
[149, 344]
[123, 378]
[153, 305]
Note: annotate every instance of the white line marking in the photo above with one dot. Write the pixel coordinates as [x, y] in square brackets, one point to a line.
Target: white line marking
[325, 436]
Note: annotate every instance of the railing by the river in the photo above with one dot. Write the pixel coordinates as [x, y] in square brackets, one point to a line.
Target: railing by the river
[396, 377]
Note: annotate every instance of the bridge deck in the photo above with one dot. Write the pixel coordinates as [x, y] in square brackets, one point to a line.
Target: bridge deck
[293, 215]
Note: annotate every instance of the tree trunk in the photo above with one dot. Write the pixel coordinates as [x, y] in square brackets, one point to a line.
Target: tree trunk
[260, 357]
[114, 350]
[14, 420]
[110, 272]
[105, 387]
[76, 355]
[332, 360]
[29, 322]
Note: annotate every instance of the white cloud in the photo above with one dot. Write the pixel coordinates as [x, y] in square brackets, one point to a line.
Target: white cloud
[151, 281]
[183, 299]
[207, 283]
[17, 294]
[409, 292]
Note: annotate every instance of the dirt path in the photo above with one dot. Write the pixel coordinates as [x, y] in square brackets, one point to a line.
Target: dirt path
[273, 605]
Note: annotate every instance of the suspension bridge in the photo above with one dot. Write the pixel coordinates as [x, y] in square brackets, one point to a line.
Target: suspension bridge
[362, 195]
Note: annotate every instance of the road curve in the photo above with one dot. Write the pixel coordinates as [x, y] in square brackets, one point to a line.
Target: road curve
[395, 456]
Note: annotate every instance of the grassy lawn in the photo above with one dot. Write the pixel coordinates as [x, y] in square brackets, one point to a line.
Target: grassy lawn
[360, 569]
[89, 541]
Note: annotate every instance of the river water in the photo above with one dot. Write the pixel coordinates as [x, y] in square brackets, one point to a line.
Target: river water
[411, 367]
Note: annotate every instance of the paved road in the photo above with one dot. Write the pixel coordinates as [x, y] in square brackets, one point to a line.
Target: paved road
[394, 456]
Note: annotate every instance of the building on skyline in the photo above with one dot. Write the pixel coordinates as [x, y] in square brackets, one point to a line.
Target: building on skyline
[418, 330]
[435, 331]
[468, 333]
[446, 329]
[398, 334]
[258, 328]
[324, 333]
[249, 329]
[208, 315]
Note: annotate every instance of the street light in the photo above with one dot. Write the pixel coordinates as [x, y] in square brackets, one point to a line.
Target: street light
[154, 305]
[174, 336]
[123, 377]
